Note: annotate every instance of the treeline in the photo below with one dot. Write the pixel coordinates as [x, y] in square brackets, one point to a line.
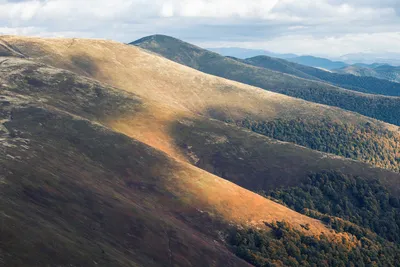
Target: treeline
[365, 203]
[366, 143]
[382, 108]
[285, 246]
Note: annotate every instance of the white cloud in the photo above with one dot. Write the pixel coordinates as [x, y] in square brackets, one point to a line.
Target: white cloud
[301, 26]
[224, 8]
[325, 46]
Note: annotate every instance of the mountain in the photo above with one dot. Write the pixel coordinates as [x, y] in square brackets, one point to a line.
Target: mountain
[75, 192]
[243, 53]
[379, 107]
[371, 58]
[115, 156]
[186, 90]
[367, 84]
[318, 62]
[379, 71]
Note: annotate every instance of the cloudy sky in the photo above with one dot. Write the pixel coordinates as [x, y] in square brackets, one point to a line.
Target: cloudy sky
[319, 27]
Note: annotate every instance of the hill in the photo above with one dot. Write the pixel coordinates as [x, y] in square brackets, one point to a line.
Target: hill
[379, 107]
[93, 174]
[186, 90]
[244, 53]
[366, 84]
[318, 62]
[74, 192]
[372, 58]
[380, 71]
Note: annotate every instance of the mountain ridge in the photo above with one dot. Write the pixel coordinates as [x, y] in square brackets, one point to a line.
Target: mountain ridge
[122, 172]
[82, 184]
[379, 107]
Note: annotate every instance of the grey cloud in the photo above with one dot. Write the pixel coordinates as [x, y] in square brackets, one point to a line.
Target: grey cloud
[341, 23]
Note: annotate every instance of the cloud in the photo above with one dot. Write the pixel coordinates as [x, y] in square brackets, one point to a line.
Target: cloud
[221, 8]
[306, 26]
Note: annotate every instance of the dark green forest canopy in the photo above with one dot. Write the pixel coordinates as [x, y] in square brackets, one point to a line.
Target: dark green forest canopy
[285, 246]
[347, 204]
[366, 143]
[365, 203]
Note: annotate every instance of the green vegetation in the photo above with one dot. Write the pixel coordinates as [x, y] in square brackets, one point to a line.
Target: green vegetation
[285, 246]
[367, 142]
[353, 205]
[365, 203]
[383, 108]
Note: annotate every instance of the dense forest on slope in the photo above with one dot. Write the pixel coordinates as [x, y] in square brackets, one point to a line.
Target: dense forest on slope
[285, 246]
[365, 203]
[347, 204]
[383, 108]
[366, 143]
[364, 84]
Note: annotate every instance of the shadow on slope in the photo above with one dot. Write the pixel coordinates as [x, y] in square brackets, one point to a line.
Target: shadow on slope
[84, 195]
[238, 155]
[77, 194]
[259, 163]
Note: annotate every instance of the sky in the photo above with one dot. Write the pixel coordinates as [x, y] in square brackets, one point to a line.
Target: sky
[318, 27]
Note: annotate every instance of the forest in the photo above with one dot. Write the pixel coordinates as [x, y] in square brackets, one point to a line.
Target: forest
[285, 246]
[366, 142]
[362, 208]
[362, 202]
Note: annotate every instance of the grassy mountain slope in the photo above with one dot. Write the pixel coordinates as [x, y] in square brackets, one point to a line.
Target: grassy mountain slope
[176, 90]
[380, 107]
[366, 84]
[220, 148]
[76, 193]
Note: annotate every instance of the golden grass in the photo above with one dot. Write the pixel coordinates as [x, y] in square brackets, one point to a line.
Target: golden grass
[150, 126]
[219, 197]
[155, 78]
[174, 90]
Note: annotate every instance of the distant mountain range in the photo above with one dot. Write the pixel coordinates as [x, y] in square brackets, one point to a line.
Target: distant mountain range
[243, 53]
[362, 59]
[385, 71]
[318, 62]
[370, 58]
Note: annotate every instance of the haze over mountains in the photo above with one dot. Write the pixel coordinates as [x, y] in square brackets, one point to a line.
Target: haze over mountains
[368, 59]
[379, 71]
[115, 155]
[244, 53]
